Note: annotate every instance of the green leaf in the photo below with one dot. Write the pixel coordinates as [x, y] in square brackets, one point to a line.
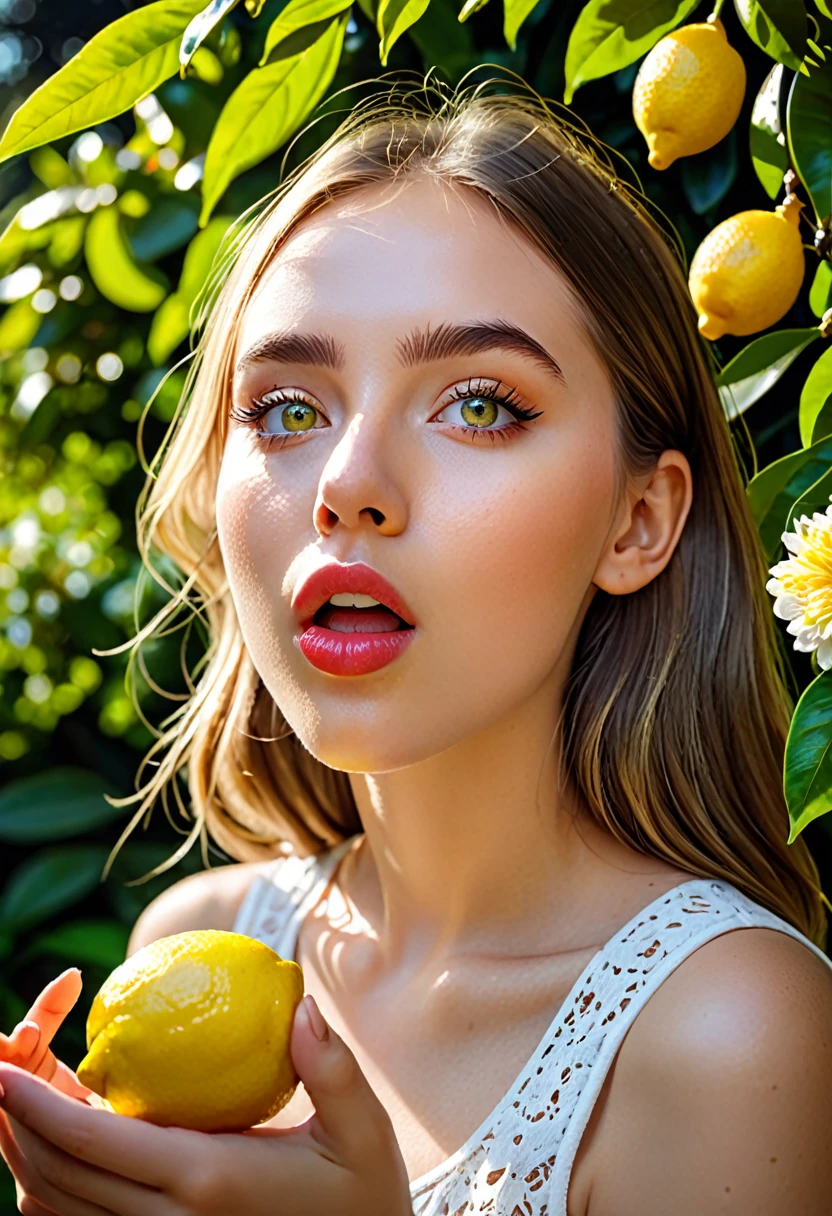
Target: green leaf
[67, 239]
[200, 27]
[136, 859]
[50, 167]
[788, 18]
[808, 762]
[52, 805]
[814, 498]
[767, 139]
[18, 326]
[266, 108]
[17, 242]
[96, 943]
[817, 391]
[171, 321]
[120, 64]
[168, 225]
[393, 18]
[774, 491]
[113, 268]
[469, 8]
[759, 365]
[229, 46]
[206, 66]
[442, 40]
[610, 34]
[515, 13]
[778, 27]
[170, 326]
[809, 121]
[708, 177]
[50, 881]
[296, 15]
[820, 296]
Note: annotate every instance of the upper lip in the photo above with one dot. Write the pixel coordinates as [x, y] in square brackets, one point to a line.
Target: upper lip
[326, 580]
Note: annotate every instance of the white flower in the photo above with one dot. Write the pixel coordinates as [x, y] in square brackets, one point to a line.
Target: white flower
[802, 585]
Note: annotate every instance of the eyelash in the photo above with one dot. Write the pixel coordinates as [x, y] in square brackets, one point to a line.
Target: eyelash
[251, 415]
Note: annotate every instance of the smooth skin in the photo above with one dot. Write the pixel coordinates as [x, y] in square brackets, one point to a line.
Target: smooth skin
[480, 889]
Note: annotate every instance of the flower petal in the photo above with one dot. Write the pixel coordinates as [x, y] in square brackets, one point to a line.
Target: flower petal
[788, 607]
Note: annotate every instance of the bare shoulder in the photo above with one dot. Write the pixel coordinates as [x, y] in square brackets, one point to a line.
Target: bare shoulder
[720, 1098]
[210, 899]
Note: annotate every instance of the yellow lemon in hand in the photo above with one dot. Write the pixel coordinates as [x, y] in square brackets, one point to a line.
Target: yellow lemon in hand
[747, 272]
[193, 1031]
[688, 92]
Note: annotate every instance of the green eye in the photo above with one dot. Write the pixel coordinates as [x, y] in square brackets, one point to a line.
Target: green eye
[298, 417]
[481, 413]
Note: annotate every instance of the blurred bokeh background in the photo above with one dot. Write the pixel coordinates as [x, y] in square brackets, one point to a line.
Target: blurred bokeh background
[96, 279]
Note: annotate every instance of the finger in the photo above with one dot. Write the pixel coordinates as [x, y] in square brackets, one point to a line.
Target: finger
[66, 1081]
[31, 1207]
[14, 1159]
[20, 1044]
[74, 1178]
[8, 1147]
[40, 1055]
[53, 1070]
[128, 1147]
[55, 1002]
[347, 1110]
[38, 1190]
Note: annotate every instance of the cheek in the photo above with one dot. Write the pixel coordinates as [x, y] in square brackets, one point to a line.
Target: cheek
[522, 557]
[257, 522]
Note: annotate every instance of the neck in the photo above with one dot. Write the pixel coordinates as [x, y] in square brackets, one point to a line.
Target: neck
[476, 851]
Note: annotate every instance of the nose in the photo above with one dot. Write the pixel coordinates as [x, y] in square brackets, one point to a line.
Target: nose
[356, 483]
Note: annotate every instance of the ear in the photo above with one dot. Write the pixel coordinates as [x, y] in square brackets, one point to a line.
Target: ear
[648, 527]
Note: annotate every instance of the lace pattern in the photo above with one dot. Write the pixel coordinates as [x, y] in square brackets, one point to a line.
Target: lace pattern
[518, 1162]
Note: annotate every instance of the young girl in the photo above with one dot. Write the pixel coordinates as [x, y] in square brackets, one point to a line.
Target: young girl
[509, 813]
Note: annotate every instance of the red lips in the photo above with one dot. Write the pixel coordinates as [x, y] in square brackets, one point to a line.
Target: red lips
[334, 577]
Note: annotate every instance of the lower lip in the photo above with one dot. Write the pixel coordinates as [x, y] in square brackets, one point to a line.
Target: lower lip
[351, 654]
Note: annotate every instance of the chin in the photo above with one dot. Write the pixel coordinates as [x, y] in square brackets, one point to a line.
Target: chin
[358, 751]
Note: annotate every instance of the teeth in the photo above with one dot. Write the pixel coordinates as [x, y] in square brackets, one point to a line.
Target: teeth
[353, 599]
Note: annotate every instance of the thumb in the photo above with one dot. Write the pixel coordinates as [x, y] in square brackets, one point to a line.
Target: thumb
[347, 1110]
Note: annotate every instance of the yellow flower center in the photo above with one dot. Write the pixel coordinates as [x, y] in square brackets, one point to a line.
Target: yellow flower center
[808, 575]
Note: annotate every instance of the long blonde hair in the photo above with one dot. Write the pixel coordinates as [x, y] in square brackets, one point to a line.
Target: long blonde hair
[676, 709]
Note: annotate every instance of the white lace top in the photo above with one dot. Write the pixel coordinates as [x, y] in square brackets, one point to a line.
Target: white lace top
[518, 1161]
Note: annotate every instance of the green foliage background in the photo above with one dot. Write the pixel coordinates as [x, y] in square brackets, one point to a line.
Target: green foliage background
[104, 219]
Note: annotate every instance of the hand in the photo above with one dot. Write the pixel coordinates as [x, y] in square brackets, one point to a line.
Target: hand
[343, 1161]
[28, 1045]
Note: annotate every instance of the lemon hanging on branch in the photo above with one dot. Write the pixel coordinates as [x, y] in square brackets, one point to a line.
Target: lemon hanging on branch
[748, 271]
[688, 92]
[193, 1031]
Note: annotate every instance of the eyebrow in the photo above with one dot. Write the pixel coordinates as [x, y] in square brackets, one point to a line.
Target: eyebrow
[421, 346]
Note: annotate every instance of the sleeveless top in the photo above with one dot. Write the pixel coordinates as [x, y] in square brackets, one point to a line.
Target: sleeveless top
[518, 1161]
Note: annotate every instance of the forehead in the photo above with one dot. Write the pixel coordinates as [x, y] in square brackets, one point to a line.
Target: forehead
[373, 262]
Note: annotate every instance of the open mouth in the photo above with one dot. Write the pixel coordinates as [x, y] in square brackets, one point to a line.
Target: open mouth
[377, 619]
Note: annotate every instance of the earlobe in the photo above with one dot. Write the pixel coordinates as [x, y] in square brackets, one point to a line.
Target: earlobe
[648, 527]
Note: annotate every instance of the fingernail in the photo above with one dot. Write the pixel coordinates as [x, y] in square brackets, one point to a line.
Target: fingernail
[316, 1018]
[2, 1092]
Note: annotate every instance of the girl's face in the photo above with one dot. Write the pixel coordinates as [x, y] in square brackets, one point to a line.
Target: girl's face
[402, 455]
